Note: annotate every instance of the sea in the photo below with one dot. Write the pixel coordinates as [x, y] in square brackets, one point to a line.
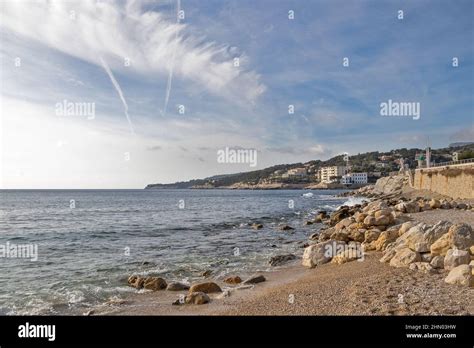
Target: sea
[88, 242]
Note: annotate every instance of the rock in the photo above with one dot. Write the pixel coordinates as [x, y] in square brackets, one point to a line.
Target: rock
[471, 249]
[340, 235]
[326, 234]
[462, 236]
[136, 281]
[445, 204]
[255, 279]
[462, 206]
[404, 257]
[347, 255]
[322, 215]
[233, 280]
[460, 275]
[385, 238]
[455, 257]
[370, 220]
[177, 286]
[318, 254]
[434, 232]
[388, 255]
[306, 223]
[383, 212]
[421, 266]
[155, 283]
[459, 236]
[453, 204]
[257, 226]
[405, 227]
[281, 259]
[314, 236]
[415, 239]
[426, 257]
[382, 220]
[357, 235]
[285, 228]
[339, 215]
[435, 204]
[437, 262]
[359, 217]
[208, 288]
[197, 298]
[371, 235]
[206, 273]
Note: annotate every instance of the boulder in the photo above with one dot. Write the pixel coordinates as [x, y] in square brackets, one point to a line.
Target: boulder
[281, 259]
[405, 227]
[437, 262]
[359, 217]
[370, 220]
[136, 281]
[357, 235]
[385, 238]
[318, 254]
[177, 286]
[340, 235]
[233, 280]
[347, 255]
[207, 287]
[404, 257]
[197, 298]
[308, 222]
[339, 215]
[435, 204]
[415, 239]
[455, 257]
[383, 220]
[255, 279]
[371, 235]
[155, 283]
[388, 255]
[460, 275]
[426, 257]
[257, 226]
[459, 236]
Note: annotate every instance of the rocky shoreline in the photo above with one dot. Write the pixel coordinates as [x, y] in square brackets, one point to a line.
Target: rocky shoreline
[382, 229]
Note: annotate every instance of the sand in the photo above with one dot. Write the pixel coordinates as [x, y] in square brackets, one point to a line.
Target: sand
[368, 287]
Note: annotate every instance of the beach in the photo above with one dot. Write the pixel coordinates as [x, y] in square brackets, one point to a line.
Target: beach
[367, 287]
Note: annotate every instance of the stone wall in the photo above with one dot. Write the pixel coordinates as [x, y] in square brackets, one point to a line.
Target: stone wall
[456, 181]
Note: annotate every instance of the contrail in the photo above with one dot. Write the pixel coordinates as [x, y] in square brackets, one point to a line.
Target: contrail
[170, 74]
[119, 91]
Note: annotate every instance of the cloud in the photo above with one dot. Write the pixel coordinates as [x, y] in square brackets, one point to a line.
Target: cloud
[89, 29]
[463, 135]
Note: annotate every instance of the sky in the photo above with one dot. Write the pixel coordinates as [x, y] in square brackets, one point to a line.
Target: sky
[167, 84]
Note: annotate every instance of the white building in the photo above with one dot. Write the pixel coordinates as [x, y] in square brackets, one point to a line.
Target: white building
[327, 174]
[354, 178]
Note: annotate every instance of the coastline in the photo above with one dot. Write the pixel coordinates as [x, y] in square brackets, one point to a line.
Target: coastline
[370, 287]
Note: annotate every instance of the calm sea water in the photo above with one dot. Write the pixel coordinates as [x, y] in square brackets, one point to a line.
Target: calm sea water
[89, 246]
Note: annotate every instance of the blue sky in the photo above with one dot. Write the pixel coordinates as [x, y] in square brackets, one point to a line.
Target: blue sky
[282, 62]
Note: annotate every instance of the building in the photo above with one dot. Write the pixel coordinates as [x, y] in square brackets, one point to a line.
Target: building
[297, 172]
[330, 174]
[354, 178]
